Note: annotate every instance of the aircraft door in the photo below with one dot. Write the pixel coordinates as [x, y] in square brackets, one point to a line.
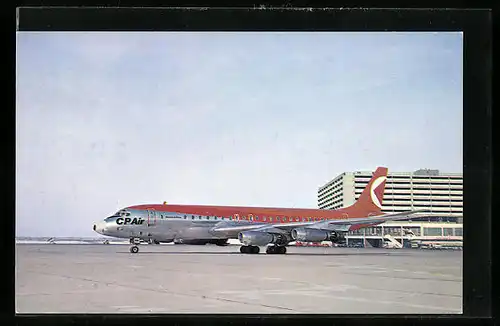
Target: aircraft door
[151, 217]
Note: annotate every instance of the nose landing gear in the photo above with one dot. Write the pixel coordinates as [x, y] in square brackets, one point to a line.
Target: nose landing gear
[135, 245]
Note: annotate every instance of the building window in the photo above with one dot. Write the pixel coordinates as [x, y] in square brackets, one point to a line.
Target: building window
[432, 232]
[395, 231]
[415, 230]
[447, 231]
[458, 232]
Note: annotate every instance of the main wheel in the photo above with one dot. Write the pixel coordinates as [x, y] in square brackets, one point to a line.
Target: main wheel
[254, 249]
[271, 250]
[134, 249]
[244, 249]
[280, 250]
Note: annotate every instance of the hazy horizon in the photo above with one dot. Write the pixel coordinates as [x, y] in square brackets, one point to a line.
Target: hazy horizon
[109, 120]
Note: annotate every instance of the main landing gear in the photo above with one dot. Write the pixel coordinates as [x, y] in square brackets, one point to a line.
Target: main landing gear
[249, 249]
[281, 250]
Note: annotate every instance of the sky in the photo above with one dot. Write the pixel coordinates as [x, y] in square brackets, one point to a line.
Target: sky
[109, 120]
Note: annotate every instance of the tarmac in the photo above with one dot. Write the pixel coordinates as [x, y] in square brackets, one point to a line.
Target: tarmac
[52, 278]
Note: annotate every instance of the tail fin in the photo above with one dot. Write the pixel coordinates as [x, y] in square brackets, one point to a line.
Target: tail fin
[370, 200]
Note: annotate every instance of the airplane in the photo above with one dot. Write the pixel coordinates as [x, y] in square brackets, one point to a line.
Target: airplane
[252, 226]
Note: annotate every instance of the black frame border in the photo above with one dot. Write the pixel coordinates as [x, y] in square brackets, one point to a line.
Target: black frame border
[477, 109]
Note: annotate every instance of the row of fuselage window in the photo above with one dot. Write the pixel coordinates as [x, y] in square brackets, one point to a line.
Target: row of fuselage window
[247, 218]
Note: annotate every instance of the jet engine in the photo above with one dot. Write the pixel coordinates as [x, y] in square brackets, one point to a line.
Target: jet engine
[337, 237]
[315, 235]
[255, 238]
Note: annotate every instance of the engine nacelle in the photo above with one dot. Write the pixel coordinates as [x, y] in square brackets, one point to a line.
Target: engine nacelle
[309, 235]
[337, 237]
[256, 238]
[315, 235]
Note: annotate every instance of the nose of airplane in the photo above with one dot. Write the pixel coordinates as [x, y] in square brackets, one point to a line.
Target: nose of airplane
[100, 227]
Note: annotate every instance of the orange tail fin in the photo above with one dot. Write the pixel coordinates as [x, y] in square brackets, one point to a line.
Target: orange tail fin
[370, 200]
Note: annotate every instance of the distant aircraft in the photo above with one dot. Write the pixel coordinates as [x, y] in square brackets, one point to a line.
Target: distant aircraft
[253, 226]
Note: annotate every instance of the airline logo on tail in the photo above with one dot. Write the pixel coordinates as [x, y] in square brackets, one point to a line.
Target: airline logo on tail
[377, 191]
[370, 200]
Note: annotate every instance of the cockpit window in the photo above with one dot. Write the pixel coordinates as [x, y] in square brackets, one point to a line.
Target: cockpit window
[109, 219]
[122, 213]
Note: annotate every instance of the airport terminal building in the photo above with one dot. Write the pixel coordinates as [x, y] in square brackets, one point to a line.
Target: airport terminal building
[439, 193]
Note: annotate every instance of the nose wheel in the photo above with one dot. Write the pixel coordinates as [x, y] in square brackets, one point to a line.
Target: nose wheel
[280, 250]
[135, 245]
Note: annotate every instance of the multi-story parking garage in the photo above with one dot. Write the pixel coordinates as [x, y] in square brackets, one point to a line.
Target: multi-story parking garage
[441, 194]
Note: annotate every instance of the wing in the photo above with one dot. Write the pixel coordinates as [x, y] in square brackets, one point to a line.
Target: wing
[342, 225]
